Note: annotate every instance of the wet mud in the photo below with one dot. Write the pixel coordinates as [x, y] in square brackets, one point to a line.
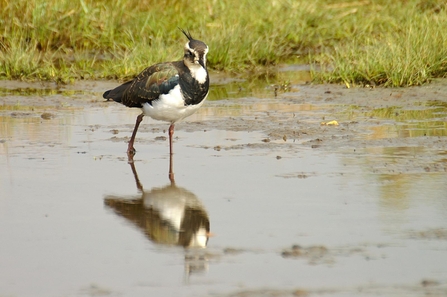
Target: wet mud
[280, 189]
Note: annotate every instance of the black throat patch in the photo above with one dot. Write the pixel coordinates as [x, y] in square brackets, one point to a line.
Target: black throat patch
[193, 91]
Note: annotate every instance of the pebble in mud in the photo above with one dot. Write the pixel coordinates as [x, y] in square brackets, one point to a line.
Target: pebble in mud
[20, 114]
[233, 251]
[315, 254]
[298, 251]
[431, 234]
[319, 254]
[429, 283]
[47, 115]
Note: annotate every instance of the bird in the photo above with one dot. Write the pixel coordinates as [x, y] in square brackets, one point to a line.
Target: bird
[168, 91]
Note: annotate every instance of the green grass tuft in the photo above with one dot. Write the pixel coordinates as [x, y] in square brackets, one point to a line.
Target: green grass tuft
[390, 43]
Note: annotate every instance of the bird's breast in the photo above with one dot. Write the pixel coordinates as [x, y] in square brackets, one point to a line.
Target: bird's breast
[170, 107]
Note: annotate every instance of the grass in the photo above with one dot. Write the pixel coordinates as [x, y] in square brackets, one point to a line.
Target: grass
[404, 51]
[390, 43]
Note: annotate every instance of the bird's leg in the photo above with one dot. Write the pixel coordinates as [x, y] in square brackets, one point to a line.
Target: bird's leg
[171, 172]
[135, 175]
[130, 149]
[171, 133]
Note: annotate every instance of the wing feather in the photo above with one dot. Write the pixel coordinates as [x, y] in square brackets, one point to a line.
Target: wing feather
[147, 86]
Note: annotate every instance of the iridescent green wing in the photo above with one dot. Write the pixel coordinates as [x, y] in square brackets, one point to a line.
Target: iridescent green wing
[150, 84]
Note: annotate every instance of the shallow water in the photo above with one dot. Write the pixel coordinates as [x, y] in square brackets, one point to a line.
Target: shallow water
[363, 215]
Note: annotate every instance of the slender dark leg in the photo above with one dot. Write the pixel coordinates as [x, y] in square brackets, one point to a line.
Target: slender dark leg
[171, 172]
[130, 149]
[171, 133]
[135, 175]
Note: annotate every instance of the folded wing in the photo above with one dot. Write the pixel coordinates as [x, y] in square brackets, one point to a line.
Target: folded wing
[147, 86]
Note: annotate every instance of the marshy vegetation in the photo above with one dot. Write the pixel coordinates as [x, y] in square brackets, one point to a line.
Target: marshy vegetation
[376, 42]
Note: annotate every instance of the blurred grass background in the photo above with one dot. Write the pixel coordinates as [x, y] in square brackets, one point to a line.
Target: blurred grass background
[390, 43]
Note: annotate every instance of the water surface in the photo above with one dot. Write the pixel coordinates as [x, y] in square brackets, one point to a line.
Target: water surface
[351, 210]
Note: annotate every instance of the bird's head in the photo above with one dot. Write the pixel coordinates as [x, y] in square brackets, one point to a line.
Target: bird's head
[195, 52]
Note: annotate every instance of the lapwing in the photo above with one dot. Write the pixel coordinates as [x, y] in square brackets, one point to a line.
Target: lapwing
[169, 91]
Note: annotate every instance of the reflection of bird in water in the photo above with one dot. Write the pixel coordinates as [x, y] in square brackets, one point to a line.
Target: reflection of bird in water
[168, 215]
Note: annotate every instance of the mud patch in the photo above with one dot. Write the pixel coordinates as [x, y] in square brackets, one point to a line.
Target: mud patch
[432, 234]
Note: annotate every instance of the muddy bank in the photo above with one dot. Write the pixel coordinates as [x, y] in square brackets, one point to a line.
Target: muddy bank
[321, 117]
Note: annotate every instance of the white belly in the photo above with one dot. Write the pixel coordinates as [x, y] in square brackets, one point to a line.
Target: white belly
[170, 107]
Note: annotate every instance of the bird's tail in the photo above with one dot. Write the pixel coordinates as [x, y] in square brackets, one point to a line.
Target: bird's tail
[117, 93]
[106, 94]
[111, 95]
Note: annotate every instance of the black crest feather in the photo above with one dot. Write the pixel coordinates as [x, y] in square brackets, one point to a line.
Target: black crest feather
[187, 34]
